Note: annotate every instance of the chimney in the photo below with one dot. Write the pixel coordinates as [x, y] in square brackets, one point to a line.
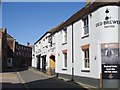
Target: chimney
[88, 2]
[28, 43]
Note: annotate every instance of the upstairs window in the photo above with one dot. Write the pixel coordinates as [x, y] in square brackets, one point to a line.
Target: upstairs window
[53, 39]
[65, 36]
[86, 26]
[50, 40]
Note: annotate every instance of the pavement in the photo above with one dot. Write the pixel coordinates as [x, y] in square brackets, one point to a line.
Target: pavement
[27, 79]
[10, 80]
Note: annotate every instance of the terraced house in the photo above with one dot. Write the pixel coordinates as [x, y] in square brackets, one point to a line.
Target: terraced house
[41, 48]
[43, 55]
[87, 46]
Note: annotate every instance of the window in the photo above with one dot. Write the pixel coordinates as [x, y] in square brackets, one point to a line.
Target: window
[65, 36]
[39, 42]
[65, 59]
[85, 27]
[86, 59]
[50, 39]
[53, 39]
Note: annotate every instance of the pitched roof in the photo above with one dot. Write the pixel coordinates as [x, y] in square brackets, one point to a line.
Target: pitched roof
[9, 36]
[55, 28]
[85, 11]
[41, 37]
[50, 31]
[80, 14]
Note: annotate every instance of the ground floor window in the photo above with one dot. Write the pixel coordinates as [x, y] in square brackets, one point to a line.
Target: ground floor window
[64, 58]
[86, 59]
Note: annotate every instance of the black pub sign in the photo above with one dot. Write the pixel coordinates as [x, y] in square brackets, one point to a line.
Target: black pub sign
[110, 71]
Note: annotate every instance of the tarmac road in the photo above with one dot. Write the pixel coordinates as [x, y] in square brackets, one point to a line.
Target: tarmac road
[33, 79]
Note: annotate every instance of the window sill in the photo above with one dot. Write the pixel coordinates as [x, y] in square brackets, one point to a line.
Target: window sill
[64, 69]
[85, 36]
[64, 43]
[85, 70]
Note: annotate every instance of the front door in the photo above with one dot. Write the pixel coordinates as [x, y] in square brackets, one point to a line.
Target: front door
[38, 62]
[52, 64]
[44, 63]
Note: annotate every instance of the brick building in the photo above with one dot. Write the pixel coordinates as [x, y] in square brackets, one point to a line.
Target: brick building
[22, 55]
[13, 54]
[3, 48]
[10, 51]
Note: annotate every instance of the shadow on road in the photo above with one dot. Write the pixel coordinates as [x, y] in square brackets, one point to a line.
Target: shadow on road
[52, 83]
[6, 86]
[45, 83]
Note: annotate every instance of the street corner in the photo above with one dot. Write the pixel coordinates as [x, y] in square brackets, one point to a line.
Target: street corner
[10, 80]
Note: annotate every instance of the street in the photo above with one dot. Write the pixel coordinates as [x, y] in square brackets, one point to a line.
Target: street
[10, 80]
[34, 79]
[29, 79]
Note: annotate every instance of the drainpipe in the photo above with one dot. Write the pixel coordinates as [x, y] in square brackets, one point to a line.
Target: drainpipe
[72, 79]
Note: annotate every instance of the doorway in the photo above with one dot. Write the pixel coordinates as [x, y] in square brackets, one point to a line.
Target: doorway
[38, 62]
[52, 64]
[44, 63]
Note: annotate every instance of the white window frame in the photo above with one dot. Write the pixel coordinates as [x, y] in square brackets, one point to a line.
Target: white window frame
[53, 39]
[64, 61]
[85, 26]
[64, 35]
[86, 58]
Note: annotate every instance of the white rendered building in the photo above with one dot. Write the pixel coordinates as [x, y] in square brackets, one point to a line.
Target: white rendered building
[85, 48]
[82, 41]
[40, 60]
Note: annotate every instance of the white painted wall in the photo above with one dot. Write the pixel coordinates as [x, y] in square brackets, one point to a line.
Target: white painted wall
[59, 54]
[97, 36]
[41, 48]
[51, 49]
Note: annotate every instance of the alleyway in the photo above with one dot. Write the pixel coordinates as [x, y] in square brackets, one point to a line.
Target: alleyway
[28, 79]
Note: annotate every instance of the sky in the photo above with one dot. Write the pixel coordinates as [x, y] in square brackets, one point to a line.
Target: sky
[28, 21]
[0, 16]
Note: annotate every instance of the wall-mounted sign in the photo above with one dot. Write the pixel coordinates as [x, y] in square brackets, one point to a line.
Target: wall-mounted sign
[108, 23]
[110, 61]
